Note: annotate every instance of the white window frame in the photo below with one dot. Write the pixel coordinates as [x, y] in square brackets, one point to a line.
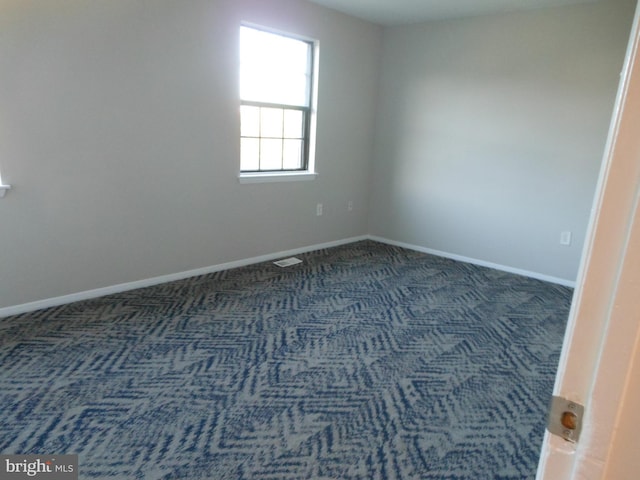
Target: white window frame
[309, 170]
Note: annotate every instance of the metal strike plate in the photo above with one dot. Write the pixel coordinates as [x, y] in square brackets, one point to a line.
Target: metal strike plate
[565, 419]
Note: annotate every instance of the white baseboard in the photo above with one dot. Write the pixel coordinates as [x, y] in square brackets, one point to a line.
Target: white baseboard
[482, 263]
[149, 282]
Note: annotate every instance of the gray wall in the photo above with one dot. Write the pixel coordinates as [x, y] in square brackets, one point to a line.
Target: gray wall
[119, 131]
[491, 131]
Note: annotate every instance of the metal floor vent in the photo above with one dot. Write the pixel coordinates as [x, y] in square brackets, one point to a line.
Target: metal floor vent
[287, 262]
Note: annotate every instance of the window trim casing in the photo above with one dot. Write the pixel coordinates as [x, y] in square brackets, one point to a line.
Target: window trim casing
[309, 121]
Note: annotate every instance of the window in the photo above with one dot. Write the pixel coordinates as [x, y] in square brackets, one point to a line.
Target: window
[276, 91]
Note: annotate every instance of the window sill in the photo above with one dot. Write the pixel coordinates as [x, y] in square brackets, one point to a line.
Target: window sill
[270, 177]
[4, 189]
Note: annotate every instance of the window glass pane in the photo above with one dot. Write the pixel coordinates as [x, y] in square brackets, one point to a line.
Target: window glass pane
[289, 55]
[249, 121]
[268, 50]
[273, 87]
[273, 68]
[270, 154]
[292, 154]
[293, 123]
[249, 154]
[271, 122]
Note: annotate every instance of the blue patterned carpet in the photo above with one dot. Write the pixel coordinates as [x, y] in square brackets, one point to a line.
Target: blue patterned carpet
[365, 362]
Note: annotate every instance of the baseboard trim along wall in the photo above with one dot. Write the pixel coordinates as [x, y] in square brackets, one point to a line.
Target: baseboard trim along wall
[149, 282]
[482, 263]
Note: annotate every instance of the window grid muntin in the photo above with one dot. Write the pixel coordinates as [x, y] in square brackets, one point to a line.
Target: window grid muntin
[304, 160]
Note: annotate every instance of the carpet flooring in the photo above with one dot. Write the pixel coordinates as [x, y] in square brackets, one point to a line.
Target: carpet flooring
[365, 361]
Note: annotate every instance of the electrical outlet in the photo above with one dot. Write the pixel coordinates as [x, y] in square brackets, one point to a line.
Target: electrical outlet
[565, 238]
[350, 205]
[319, 209]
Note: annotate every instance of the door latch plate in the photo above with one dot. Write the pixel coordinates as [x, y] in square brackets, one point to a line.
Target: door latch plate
[565, 419]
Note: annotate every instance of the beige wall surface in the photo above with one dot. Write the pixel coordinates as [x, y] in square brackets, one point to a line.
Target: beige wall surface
[491, 131]
[119, 131]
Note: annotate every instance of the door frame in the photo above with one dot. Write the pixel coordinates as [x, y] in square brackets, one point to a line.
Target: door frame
[602, 342]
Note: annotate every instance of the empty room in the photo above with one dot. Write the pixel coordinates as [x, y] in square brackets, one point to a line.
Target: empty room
[314, 239]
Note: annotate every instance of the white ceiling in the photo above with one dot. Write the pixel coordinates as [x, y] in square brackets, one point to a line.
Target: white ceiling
[398, 12]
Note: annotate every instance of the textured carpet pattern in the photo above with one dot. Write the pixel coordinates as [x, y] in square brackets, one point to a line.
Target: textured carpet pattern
[364, 362]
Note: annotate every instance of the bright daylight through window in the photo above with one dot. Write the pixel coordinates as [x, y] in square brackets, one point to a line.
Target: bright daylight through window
[276, 81]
